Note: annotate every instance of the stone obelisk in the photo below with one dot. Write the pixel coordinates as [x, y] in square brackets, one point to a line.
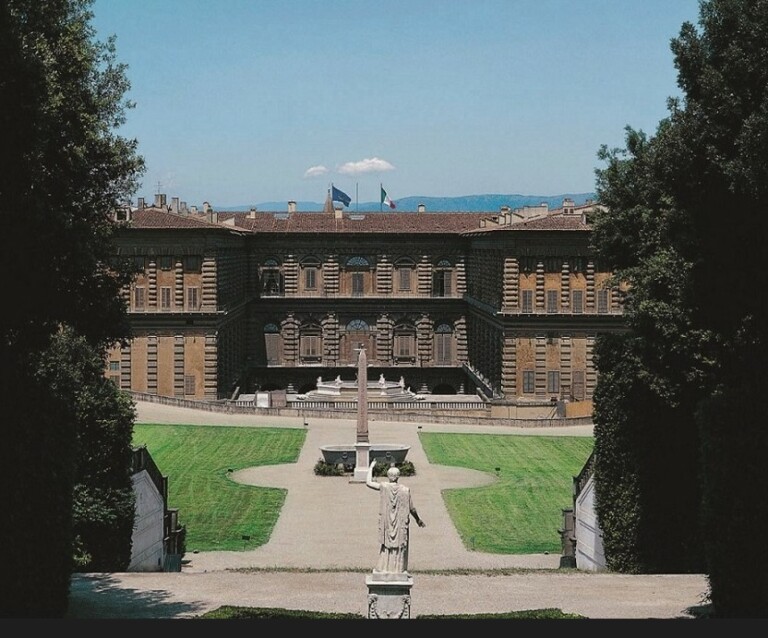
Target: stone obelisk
[362, 445]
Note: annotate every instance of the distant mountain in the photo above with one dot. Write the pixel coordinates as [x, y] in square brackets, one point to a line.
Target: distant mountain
[462, 204]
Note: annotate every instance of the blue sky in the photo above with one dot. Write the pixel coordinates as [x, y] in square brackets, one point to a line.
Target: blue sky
[246, 101]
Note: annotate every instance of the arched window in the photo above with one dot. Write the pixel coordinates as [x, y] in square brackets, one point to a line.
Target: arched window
[271, 278]
[357, 325]
[444, 344]
[357, 262]
[357, 333]
[442, 279]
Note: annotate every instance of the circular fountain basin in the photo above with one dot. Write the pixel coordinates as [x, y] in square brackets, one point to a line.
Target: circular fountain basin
[389, 452]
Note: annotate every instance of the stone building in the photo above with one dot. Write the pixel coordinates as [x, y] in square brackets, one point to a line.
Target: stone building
[502, 304]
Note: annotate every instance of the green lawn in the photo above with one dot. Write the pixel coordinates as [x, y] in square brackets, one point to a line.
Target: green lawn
[216, 511]
[521, 512]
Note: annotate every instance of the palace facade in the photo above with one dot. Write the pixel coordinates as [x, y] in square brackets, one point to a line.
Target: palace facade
[503, 304]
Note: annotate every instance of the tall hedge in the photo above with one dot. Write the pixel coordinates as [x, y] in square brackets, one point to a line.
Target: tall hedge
[646, 469]
[686, 226]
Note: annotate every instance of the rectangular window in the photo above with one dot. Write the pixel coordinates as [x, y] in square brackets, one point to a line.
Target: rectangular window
[404, 279]
[578, 264]
[166, 262]
[115, 378]
[528, 264]
[441, 283]
[443, 348]
[193, 263]
[139, 297]
[271, 283]
[310, 347]
[578, 389]
[272, 342]
[553, 382]
[602, 301]
[189, 384]
[577, 301]
[404, 346]
[527, 299]
[528, 382]
[551, 300]
[165, 297]
[139, 263]
[114, 366]
[310, 278]
[193, 298]
[357, 284]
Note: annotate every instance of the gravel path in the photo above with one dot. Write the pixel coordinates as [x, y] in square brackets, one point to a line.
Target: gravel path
[323, 546]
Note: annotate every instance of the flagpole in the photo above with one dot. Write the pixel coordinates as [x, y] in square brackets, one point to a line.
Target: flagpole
[356, 198]
[381, 204]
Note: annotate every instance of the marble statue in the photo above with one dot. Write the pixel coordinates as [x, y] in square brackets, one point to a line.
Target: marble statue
[395, 509]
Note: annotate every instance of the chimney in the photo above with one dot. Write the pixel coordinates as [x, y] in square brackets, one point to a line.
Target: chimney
[175, 205]
[206, 208]
[421, 208]
[140, 205]
[160, 200]
[183, 208]
[338, 212]
[567, 205]
[252, 213]
[193, 210]
[213, 216]
[291, 207]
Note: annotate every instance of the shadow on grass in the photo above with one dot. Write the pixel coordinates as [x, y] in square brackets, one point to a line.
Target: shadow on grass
[102, 596]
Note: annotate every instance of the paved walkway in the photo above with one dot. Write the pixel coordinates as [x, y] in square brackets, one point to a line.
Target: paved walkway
[323, 545]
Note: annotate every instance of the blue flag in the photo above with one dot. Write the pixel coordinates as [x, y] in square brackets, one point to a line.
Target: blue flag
[340, 196]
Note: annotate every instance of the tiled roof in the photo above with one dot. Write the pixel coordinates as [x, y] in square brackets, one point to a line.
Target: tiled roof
[268, 222]
[421, 223]
[152, 217]
[552, 221]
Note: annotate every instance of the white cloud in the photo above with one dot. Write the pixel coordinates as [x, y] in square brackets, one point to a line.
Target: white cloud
[372, 165]
[314, 171]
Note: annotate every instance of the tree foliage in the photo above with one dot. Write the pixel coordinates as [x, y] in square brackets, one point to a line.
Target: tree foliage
[686, 226]
[103, 499]
[648, 493]
[63, 171]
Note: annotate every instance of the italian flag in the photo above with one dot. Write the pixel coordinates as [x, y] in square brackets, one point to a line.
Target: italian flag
[385, 199]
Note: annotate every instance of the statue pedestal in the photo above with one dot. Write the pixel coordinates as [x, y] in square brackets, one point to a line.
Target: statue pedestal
[389, 596]
[362, 461]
